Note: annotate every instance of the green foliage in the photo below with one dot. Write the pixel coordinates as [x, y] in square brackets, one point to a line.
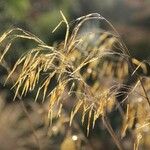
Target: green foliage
[18, 9]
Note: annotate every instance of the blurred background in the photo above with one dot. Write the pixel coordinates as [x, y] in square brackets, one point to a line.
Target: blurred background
[131, 18]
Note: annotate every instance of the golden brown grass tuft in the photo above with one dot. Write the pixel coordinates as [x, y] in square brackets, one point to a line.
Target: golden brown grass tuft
[89, 74]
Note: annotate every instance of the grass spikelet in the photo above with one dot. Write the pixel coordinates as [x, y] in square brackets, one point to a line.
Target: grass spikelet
[5, 51]
[67, 31]
[85, 109]
[129, 120]
[89, 119]
[55, 97]
[76, 109]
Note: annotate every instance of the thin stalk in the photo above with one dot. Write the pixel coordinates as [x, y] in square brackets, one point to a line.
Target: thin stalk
[112, 133]
[146, 96]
